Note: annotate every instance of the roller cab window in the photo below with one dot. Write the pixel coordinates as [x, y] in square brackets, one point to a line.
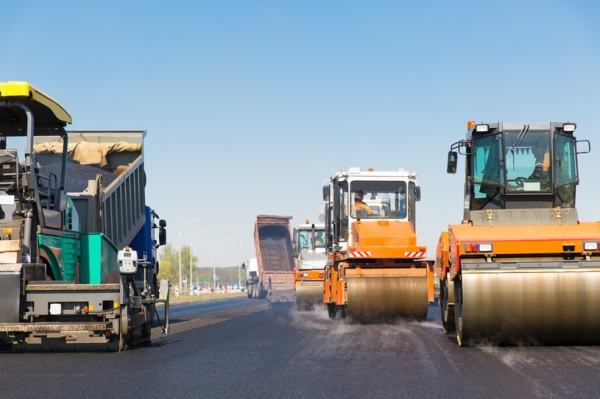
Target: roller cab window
[528, 166]
[486, 170]
[565, 167]
[305, 239]
[378, 200]
[340, 209]
[509, 162]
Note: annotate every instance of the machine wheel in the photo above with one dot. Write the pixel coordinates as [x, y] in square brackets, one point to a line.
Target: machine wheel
[332, 310]
[447, 306]
[458, 293]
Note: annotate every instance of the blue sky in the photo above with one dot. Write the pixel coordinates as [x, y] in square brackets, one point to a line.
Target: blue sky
[250, 105]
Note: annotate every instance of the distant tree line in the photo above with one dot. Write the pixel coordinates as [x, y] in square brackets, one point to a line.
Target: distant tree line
[169, 269]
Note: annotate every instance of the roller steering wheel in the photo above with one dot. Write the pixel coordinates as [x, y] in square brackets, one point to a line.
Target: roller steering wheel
[518, 181]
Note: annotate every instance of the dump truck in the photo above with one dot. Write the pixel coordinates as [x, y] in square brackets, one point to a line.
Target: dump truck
[274, 279]
[310, 256]
[78, 252]
[520, 268]
[376, 271]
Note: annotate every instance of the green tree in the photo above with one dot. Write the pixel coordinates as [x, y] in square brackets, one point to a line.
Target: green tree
[169, 268]
[169, 263]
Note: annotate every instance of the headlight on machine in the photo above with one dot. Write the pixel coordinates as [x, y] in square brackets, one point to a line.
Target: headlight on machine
[590, 246]
[482, 128]
[485, 247]
[55, 309]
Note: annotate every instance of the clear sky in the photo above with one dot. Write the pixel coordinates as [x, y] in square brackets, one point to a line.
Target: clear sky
[250, 105]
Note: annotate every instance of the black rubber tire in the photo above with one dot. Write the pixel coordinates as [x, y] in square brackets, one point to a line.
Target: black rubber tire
[332, 310]
[458, 304]
[446, 310]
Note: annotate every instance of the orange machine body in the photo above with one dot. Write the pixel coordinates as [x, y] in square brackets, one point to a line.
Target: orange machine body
[376, 269]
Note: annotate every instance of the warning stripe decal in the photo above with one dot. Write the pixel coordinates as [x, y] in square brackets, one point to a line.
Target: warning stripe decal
[360, 254]
[418, 254]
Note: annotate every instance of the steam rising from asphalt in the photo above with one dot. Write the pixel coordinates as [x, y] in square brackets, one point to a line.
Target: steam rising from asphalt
[318, 319]
[508, 356]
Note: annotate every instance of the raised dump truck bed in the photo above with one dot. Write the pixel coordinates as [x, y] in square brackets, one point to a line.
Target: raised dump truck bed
[275, 257]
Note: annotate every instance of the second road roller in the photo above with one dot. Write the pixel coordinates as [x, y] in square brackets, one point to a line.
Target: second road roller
[376, 271]
[520, 268]
[310, 256]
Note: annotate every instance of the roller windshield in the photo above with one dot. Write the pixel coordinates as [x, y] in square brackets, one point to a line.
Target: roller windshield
[378, 199]
[305, 238]
[513, 162]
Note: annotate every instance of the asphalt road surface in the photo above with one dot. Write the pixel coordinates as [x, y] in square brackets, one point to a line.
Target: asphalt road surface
[248, 350]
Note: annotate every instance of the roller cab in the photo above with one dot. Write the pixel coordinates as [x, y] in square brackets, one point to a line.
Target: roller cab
[523, 268]
[376, 271]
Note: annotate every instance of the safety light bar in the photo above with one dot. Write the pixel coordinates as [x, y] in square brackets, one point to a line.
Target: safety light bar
[472, 247]
[128, 261]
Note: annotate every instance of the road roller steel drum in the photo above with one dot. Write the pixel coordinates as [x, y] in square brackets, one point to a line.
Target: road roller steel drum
[309, 294]
[529, 305]
[537, 285]
[387, 298]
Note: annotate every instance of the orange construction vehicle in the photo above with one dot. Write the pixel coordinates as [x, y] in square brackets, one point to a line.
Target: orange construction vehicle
[310, 256]
[520, 267]
[376, 272]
